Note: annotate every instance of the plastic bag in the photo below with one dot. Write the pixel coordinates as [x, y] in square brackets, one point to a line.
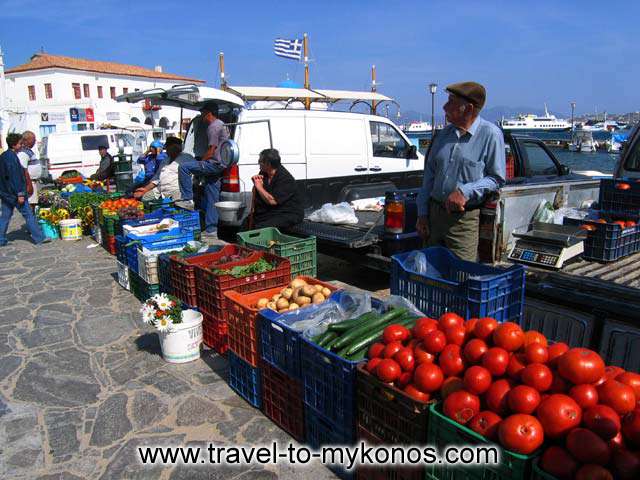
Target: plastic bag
[340, 214]
[314, 320]
[417, 262]
[354, 304]
[544, 213]
[401, 302]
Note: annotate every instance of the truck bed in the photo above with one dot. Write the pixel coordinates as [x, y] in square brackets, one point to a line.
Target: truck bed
[368, 231]
[625, 271]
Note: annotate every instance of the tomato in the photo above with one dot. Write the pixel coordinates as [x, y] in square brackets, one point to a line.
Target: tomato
[581, 365]
[559, 463]
[623, 186]
[631, 428]
[515, 366]
[423, 326]
[496, 396]
[618, 396]
[617, 442]
[633, 380]
[372, 364]
[477, 380]
[601, 220]
[611, 371]
[455, 335]
[450, 385]
[538, 376]
[450, 361]
[533, 336]
[486, 424]
[559, 414]
[435, 341]
[629, 224]
[405, 359]
[461, 406]
[484, 328]
[375, 350]
[470, 325]
[473, 351]
[587, 227]
[388, 370]
[558, 384]
[428, 377]
[585, 395]
[391, 349]
[421, 355]
[509, 336]
[593, 472]
[556, 350]
[395, 333]
[625, 464]
[404, 379]
[450, 319]
[496, 361]
[416, 394]
[587, 447]
[521, 433]
[412, 343]
[536, 353]
[523, 399]
[602, 420]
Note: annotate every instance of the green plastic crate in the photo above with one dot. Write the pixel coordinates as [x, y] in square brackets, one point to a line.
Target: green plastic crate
[301, 252]
[443, 432]
[122, 166]
[141, 289]
[539, 474]
[153, 205]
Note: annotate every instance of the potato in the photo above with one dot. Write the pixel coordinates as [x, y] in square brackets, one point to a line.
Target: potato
[302, 301]
[293, 306]
[308, 291]
[297, 282]
[282, 303]
[262, 302]
[318, 288]
[326, 292]
[276, 297]
[296, 293]
[287, 292]
[283, 310]
[272, 306]
[318, 298]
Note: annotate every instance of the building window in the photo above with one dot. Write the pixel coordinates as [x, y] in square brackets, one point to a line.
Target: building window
[87, 93]
[48, 91]
[125, 90]
[76, 90]
[99, 91]
[113, 92]
[32, 92]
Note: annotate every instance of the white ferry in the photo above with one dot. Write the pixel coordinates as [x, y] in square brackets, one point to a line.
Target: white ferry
[530, 121]
[417, 127]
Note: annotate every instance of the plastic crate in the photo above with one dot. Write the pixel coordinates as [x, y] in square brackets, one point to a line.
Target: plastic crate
[152, 205]
[623, 202]
[245, 380]
[214, 333]
[453, 285]
[148, 263]
[442, 432]
[175, 238]
[301, 252]
[164, 273]
[123, 275]
[389, 413]
[109, 242]
[320, 431]
[608, 242]
[187, 220]
[243, 322]
[539, 474]
[121, 253]
[141, 289]
[282, 400]
[620, 345]
[183, 270]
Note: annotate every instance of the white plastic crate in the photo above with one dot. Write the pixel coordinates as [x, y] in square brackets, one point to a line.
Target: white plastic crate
[148, 263]
[123, 275]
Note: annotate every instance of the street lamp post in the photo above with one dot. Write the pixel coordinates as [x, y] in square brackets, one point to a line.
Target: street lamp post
[433, 87]
[573, 107]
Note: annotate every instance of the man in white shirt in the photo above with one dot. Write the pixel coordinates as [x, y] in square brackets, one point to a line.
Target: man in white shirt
[30, 162]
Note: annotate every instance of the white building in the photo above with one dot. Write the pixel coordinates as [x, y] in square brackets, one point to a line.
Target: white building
[53, 93]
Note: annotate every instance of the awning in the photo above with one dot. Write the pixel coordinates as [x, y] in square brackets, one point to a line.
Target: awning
[251, 94]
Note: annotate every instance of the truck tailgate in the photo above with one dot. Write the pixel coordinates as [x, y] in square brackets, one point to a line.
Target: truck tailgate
[368, 231]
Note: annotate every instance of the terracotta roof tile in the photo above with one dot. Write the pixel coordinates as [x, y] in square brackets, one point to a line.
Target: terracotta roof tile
[41, 61]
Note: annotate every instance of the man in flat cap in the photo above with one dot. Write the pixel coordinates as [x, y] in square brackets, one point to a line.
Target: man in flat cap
[465, 164]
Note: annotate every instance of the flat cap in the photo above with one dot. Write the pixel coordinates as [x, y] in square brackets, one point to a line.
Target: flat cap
[472, 92]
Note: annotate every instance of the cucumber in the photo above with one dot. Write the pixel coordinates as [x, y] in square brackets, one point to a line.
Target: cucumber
[348, 324]
[365, 340]
[328, 337]
[359, 355]
[350, 335]
[329, 345]
[319, 338]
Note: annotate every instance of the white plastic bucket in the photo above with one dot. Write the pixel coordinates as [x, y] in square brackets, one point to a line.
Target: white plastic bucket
[228, 211]
[70, 229]
[182, 343]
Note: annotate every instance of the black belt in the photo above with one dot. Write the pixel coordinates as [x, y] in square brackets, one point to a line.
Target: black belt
[467, 207]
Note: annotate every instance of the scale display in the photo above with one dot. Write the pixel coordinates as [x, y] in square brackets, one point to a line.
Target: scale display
[536, 254]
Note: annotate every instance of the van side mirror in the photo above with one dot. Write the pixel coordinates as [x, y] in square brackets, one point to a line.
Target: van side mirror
[412, 152]
[564, 170]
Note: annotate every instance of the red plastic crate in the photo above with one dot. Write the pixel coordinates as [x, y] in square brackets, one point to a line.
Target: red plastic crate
[183, 275]
[214, 333]
[242, 319]
[109, 243]
[283, 401]
[211, 286]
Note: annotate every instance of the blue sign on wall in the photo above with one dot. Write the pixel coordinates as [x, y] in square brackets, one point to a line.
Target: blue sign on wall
[73, 112]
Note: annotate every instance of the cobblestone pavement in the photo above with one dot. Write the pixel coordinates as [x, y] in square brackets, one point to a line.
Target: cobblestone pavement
[82, 382]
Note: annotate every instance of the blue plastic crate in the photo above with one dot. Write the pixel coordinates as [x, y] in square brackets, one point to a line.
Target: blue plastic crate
[608, 242]
[159, 241]
[188, 220]
[622, 202]
[245, 380]
[620, 345]
[121, 253]
[321, 431]
[469, 289]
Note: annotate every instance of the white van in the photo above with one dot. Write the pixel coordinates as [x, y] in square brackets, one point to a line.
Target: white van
[325, 151]
[79, 150]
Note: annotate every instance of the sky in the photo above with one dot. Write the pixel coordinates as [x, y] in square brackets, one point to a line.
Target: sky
[525, 53]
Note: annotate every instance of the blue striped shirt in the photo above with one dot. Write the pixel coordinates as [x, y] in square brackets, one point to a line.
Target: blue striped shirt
[473, 162]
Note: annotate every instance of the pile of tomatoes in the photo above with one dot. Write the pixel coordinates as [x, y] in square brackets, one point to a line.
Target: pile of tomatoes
[515, 388]
[112, 206]
[590, 227]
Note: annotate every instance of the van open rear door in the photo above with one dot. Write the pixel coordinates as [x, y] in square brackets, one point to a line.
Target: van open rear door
[192, 97]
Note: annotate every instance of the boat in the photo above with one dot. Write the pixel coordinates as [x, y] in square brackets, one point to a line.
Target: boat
[582, 141]
[530, 121]
[417, 127]
[614, 144]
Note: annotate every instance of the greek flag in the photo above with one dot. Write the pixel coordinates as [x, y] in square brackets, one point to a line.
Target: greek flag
[288, 48]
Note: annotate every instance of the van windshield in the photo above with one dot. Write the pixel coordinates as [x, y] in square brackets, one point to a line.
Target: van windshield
[92, 142]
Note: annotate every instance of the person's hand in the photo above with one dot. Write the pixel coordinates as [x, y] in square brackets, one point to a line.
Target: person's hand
[422, 227]
[139, 193]
[20, 200]
[258, 181]
[455, 202]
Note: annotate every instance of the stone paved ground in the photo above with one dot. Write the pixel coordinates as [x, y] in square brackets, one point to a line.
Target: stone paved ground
[82, 383]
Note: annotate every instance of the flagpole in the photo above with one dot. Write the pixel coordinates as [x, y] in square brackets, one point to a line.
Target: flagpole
[374, 104]
[307, 85]
[223, 82]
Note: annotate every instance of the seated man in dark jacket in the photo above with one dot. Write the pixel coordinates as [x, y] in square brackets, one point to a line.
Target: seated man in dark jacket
[105, 170]
[277, 201]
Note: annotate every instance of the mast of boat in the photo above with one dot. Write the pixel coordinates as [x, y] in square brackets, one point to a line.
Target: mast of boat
[373, 89]
[307, 85]
[223, 82]
[546, 112]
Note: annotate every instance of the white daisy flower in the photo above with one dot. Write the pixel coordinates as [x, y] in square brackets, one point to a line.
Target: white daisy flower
[164, 324]
[163, 302]
[148, 316]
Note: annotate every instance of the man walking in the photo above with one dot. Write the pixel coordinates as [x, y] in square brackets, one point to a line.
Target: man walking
[31, 163]
[465, 164]
[13, 192]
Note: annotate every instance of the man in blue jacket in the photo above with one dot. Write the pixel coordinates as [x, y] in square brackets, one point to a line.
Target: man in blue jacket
[151, 160]
[13, 192]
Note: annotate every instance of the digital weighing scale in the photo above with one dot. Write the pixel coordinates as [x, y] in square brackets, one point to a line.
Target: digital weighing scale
[548, 245]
